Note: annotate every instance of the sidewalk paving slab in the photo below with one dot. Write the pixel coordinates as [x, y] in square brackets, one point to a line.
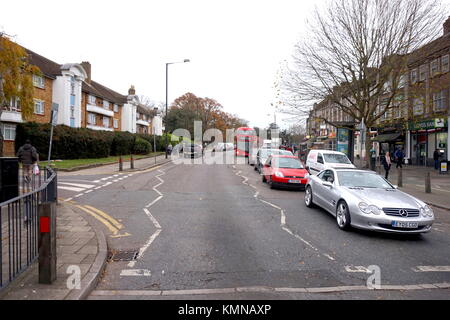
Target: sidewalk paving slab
[86, 248]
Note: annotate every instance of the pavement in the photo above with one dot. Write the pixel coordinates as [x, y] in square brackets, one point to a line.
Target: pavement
[81, 246]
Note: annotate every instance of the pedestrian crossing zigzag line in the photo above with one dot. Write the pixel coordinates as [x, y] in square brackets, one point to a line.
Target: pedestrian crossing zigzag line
[282, 218]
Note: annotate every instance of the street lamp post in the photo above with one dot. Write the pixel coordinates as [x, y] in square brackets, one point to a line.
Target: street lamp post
[167, 97]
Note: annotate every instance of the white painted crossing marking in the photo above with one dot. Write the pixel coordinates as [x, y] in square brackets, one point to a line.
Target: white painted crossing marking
[432, 269]
[153, 202]
[71, 188]
[136, 272]
[355, 269]
[155, 222]
[79, 185]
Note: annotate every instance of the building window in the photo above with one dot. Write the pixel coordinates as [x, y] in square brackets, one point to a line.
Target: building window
[383, 106]
[417, 107]
[72, 122]
[9, 132]
[91, 118]
[423, 72]
[91, 100]
[414, 76]
[434, 67]
[444, 62]
[14, 104]
[116, 124]
[38, 107]
[38, 81]
[402, 81]
[138, 115]
[438, 101]
[116, 108]
[72, 85]
[105, 104]
[106, 122]
[72, 100]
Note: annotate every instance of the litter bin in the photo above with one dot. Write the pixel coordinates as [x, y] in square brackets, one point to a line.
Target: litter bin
[443, 167]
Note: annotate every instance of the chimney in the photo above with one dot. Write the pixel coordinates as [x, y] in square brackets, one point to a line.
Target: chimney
[447, 26]
[131, 91]
[87, 67]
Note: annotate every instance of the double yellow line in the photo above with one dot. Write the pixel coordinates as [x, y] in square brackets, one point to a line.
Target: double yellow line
[112, 224]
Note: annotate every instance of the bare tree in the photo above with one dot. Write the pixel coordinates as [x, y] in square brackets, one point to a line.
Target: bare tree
[355, 56]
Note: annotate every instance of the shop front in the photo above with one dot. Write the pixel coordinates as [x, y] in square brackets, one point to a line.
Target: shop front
[425, 137]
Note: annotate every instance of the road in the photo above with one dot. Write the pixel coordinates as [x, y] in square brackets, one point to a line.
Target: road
[217, 232]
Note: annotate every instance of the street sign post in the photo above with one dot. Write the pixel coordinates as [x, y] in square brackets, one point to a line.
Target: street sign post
[54, 120]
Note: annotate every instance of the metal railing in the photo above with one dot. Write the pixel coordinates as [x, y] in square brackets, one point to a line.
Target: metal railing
[19, 221]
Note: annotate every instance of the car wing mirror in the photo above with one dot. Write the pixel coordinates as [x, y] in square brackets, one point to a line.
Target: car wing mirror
[327, 184]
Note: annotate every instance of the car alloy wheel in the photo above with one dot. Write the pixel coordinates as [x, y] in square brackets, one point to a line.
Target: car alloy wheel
[342, 216]
[308, 197]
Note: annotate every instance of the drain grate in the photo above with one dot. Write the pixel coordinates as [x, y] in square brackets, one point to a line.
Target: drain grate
[122, 255]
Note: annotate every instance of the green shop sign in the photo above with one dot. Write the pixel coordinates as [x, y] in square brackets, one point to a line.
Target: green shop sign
[428, 124]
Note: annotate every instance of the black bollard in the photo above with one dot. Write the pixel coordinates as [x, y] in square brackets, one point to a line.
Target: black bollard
[427, 183]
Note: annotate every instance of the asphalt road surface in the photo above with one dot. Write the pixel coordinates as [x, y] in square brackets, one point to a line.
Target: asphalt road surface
[217, 232]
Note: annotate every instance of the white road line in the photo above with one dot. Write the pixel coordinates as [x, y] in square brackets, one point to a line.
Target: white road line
[264, 289]
[68, 199]
[88, 191]
[328, 256]
[355, 269]
[149, 242]
[153, 202]
[71, 188]
[78, 195]
[79, 185]
[432, 269]
[98, 188]
[136, 272]
[155, 222]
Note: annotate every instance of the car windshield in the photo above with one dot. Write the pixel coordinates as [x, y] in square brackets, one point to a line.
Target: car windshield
[282, 152]
[362, 180]
[336, 158]
[287, 163]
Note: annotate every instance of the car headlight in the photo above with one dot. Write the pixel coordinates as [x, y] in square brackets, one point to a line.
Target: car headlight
[364, 207]
[279, 174]
[375, 210]
[422, 212]
[428, 211]
[306, 175]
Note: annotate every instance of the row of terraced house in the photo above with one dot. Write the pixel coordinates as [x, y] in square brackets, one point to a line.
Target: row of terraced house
[418, 124]
[82, 102]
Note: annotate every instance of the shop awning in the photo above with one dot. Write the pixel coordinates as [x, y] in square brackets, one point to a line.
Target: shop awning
[386, 137]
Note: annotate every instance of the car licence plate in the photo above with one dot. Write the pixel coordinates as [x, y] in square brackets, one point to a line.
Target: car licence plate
[294, 181]
[402, 224]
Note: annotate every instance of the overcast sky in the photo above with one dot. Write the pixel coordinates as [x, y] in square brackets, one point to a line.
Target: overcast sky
[235, 47]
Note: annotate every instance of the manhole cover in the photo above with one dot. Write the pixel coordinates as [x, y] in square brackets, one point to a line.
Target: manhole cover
[123, 255]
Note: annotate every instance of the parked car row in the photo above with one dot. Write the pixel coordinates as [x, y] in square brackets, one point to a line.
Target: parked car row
[355, 197]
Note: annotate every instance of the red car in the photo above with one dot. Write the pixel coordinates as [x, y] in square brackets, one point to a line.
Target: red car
[285, 171]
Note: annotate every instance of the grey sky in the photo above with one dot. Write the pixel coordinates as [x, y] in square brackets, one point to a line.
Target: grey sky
[235, 47]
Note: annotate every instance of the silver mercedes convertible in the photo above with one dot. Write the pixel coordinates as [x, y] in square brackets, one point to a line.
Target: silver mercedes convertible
[365, 200]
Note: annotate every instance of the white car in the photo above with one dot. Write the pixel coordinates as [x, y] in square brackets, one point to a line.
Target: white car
[319, 160]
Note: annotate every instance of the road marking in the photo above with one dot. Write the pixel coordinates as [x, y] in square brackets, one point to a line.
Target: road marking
[149, 242]
[265, 289]
[155, 222]
[328, 256]
[355, 269]
[135, 272]
[432, 269]
[126, 234]
[79, 185]
[153, 202]
[106, 216]
[71, 188]
[111, 228]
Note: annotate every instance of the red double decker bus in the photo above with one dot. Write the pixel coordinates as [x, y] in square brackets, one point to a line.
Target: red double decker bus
[244, 139]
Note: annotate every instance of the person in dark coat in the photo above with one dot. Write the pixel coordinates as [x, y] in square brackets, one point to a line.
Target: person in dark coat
[399, 155]
[28, 156]
[436, 159]
[386, 162]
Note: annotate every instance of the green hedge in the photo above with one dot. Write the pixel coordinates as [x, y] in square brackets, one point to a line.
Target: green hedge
[79, 143]
[142, 146]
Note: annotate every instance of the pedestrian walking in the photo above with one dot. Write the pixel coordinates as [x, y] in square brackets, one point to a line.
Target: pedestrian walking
[373, 158]
[29, 157]
[436, 156]
[386, 162]
[399, 156]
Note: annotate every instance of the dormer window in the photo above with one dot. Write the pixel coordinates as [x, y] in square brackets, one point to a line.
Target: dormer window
[38, 81]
